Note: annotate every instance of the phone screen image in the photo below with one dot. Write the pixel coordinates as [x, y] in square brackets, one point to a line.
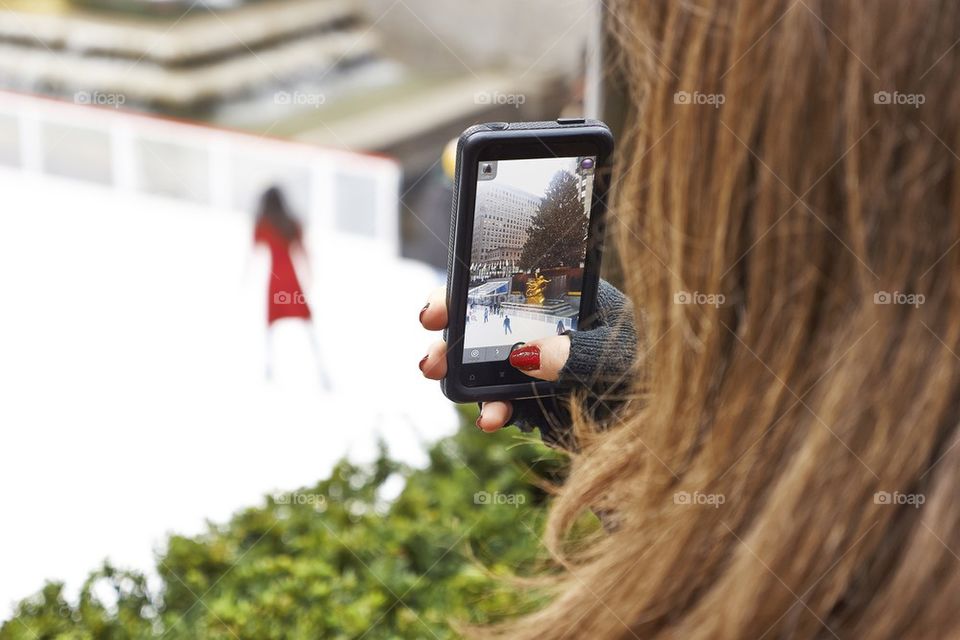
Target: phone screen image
[529, 245]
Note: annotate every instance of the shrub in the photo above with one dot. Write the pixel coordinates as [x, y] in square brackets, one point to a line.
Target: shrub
[335, 560]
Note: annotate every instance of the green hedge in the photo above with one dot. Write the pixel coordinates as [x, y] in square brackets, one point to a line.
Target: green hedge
[335, 560]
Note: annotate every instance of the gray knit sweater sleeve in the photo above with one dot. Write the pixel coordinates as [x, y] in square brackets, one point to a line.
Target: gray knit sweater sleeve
[603, 355]
[600, 361]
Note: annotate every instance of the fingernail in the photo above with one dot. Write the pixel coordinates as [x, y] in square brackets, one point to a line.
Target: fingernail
[478, 422]
[526, 358]
[422, 311]
[423, 362]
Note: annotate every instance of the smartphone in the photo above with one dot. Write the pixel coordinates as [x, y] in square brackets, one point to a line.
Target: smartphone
[525, 245]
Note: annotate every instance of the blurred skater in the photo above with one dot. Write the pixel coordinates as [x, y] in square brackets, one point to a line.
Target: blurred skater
[281, 233]
[506, 325]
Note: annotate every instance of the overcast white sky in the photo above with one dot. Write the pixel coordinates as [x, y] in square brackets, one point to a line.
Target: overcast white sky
[533, 174]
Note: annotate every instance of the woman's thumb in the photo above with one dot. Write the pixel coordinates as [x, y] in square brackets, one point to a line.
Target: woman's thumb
[542, 358]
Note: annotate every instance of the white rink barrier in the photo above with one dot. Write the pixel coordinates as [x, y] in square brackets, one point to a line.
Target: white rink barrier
[91, 139]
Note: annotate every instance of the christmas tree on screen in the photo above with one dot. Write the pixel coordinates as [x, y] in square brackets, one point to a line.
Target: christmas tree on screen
[559, 228]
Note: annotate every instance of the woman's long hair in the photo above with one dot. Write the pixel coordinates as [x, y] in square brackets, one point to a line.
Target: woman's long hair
[788, 465]
[273, 211]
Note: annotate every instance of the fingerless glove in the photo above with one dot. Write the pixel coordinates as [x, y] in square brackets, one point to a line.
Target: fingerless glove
[600, 361]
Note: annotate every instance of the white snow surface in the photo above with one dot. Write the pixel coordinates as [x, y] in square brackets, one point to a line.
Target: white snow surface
[133, 398]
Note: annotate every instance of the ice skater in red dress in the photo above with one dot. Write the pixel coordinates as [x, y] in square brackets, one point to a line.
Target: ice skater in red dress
[281, 233]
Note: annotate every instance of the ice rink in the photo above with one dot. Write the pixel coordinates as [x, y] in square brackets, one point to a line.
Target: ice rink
[134, 401]
[491, 333]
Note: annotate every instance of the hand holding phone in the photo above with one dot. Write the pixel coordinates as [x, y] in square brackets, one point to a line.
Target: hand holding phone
[598, 360]
[524, 258]
[554, 352]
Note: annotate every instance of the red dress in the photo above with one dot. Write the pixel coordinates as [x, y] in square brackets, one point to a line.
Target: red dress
[286, 299]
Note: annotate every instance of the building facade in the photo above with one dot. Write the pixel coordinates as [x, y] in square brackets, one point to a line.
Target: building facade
[501, 223]
[584, 176]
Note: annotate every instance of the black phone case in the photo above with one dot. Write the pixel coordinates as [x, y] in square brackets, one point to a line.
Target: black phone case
[460, 236]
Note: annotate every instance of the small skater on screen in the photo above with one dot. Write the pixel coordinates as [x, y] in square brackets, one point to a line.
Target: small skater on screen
[506, 325]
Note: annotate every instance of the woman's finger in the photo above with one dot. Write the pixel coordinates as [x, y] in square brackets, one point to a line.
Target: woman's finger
[433, 316]
[494, 415]
[434, 364]
[543, 358]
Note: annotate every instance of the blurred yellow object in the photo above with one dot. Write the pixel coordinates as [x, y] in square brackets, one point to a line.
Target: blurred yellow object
[449, 159]
[38, 6]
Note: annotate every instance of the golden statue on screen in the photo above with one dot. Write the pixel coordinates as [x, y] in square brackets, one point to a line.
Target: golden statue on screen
[535, 287]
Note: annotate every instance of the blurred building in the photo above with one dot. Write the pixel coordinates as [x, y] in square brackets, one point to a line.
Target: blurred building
[394, 77]
[190, 62]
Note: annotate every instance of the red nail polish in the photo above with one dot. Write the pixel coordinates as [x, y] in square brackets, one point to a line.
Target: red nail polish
[526, 358]
[424, 310]
[423, 361]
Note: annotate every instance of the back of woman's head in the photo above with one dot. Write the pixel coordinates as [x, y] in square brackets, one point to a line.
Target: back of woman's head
[785, 466]
[273, 211]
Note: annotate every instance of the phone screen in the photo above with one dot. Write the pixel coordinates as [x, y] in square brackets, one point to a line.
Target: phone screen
[530, 228]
